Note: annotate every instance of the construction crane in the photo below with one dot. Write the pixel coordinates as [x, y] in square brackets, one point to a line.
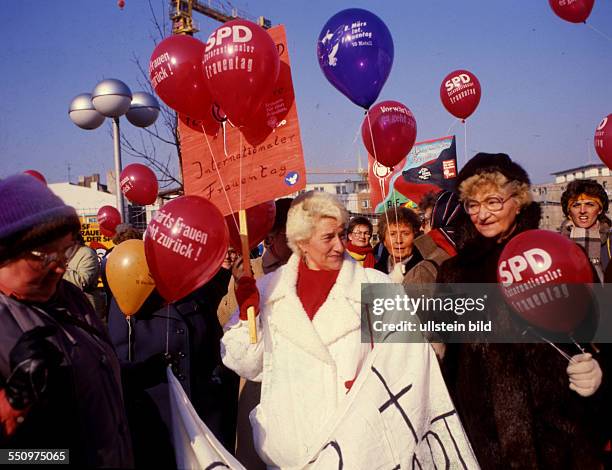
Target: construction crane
[181, 14]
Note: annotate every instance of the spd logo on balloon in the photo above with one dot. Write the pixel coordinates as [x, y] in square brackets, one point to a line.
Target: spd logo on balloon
[544, 277]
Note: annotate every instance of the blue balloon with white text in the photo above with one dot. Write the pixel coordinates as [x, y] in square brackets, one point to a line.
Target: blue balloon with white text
[355, 52]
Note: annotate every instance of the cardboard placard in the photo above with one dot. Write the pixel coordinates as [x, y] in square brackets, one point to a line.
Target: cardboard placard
[237, 169]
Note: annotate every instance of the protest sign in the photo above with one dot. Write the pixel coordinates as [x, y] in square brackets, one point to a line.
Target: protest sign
[240, 168]
[430, 166]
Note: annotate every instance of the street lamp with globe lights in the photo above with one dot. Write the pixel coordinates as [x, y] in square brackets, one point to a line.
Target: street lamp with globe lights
[113, 98]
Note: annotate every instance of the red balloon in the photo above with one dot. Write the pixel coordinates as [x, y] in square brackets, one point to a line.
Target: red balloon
[176, 75]
[393, 133]
[107, 233]
[460, 93]
[574, 11]
[603, 140]
[121, 4]
[260, 219]
[240, 65]
[108, 219]
[39, 176]
[543, 276]
[185, 245]
[139, 184]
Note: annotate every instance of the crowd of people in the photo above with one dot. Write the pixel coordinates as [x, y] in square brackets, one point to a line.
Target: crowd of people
[69, 380]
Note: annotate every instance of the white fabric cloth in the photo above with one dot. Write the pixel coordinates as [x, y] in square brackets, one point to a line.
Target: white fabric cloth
[398, 415]
[195, 445]
[303, 365]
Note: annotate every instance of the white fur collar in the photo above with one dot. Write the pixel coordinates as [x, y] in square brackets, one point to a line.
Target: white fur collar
[339, 315]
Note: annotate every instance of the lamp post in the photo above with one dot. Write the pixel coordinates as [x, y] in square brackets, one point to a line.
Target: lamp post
[113, 98]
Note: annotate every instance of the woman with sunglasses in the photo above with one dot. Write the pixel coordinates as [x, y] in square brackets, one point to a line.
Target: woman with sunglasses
[60, 382]
[522, 405]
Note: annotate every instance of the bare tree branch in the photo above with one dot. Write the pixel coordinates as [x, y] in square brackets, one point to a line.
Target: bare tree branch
[165, 130]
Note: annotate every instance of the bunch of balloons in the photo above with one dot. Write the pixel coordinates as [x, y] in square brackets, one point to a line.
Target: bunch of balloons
[235, 70]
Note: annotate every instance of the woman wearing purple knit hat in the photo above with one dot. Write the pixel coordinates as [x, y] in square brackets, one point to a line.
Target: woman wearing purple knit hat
[60, 383]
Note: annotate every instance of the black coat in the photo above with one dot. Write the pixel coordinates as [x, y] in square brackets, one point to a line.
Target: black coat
[192, 330]
[514, 399]
[82, 409]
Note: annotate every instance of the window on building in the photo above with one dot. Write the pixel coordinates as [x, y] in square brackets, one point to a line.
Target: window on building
[338, 190]
[343, 188]
[365, 204]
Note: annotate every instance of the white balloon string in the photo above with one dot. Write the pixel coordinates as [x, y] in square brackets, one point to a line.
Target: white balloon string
[465, 137]
[220, 179]
[168, 329]
[240, 201]
[580, 348]
[224, 139]
[129, 338]
[455, 121]
[384, 196]
[559, 350]
[599, 32]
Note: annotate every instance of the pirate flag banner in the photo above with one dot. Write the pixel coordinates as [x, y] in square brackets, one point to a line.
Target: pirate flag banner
[240, 167]
[430, 166]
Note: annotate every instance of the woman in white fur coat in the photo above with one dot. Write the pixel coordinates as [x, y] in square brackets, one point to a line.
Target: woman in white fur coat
[309, 348]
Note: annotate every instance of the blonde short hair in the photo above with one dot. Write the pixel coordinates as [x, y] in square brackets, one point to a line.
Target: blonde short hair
[496, 181]
[306, 211]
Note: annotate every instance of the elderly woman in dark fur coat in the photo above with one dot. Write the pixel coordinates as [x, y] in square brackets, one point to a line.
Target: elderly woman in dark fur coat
[522, 405]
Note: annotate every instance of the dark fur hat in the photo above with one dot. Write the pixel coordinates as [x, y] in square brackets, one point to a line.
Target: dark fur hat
[491, 163]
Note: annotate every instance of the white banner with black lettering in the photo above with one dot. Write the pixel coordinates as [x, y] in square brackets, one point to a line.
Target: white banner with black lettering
[398, 415]
[195, 445]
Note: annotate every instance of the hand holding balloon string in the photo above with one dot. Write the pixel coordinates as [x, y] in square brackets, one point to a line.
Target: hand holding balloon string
[584, 374]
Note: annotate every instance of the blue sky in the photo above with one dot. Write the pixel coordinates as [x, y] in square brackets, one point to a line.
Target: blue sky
[546, 83]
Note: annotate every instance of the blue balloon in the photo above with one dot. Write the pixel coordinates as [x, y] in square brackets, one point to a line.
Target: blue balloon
[355, 52]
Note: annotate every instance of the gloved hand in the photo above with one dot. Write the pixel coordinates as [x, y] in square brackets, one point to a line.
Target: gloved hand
[147, 373]
[32, 360]
[584, 374]
[247, 295]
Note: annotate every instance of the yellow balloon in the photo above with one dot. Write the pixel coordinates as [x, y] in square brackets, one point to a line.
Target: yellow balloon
[128, 276]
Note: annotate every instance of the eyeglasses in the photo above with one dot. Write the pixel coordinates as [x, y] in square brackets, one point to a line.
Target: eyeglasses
[492, 204]
[41, 259]
[357, 233]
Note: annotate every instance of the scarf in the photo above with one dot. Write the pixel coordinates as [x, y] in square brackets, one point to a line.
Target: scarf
[590, 240]
[313, 287]
[363, 254]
